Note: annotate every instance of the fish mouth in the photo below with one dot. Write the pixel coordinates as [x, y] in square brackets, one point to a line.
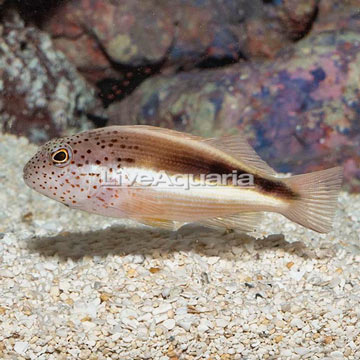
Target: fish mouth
[26, 176]
[25, 171]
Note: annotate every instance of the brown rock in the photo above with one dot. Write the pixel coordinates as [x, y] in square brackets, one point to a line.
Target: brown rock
[100, 35]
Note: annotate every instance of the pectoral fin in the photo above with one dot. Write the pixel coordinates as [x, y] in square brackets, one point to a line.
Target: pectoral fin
[163, 224]
[242, 222]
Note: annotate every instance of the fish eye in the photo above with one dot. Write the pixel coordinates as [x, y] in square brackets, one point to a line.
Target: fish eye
[60, 156]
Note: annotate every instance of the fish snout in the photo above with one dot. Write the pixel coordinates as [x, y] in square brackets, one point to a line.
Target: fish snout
[27, 172]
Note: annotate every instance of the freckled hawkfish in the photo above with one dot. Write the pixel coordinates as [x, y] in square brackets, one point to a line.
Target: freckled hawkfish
[83, 171]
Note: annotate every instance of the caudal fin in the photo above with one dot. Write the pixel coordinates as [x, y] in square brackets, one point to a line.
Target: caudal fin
[318, 193]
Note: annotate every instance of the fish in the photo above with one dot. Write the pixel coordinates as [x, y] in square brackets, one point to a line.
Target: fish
[166, 178]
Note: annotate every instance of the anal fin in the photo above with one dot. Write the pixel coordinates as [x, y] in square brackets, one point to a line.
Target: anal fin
[242, 222]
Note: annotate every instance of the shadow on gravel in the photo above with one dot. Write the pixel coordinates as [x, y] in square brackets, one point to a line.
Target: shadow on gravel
[121, 240]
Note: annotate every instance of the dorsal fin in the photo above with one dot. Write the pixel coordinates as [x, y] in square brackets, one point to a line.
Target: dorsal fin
[234, 145]
[238, 147]
[165, 131]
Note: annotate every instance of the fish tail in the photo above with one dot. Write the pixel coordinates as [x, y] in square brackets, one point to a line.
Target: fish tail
[317, 198]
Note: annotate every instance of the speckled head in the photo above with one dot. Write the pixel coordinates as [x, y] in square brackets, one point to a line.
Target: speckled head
[54, 172]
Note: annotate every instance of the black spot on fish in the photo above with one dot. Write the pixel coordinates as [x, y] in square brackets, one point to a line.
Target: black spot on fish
[275, 187]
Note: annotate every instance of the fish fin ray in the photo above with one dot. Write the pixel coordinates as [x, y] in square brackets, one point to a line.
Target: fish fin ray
[140, 200]
[161, 223]
[238, 147]
[318, 198]
[164, 131]
[242, 222]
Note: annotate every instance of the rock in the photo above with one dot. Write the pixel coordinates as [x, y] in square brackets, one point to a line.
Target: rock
[5, 273]
[90, 32]
[185, 324]
[107, 43]
[300, 112]
[297, 16]
[21, 346]
[182, 310]
[54, 291]
[129, 313]
[165, 292]
[160, 318]
[41, 93]
[221, 323]
[337, 15]
[169, 324]
[336, 355]
[163, 308]
[204, 325]
[88, 326]
[297, 322]
[86, 308]
[100, 35]
[138, 259]
[297, 275]
[272, 25]
[301, 351]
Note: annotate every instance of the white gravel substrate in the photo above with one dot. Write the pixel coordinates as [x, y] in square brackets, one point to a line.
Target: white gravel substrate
[80, 286]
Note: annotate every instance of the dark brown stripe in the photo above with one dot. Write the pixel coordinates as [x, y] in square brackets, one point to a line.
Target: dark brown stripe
[275, 187]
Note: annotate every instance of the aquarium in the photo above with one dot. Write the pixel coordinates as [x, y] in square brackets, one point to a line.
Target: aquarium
[179, 179]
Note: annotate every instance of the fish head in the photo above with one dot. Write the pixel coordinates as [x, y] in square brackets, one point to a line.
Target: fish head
[58, 172]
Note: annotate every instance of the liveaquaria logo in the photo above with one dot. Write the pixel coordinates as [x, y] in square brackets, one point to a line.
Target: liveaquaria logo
[148, 178]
